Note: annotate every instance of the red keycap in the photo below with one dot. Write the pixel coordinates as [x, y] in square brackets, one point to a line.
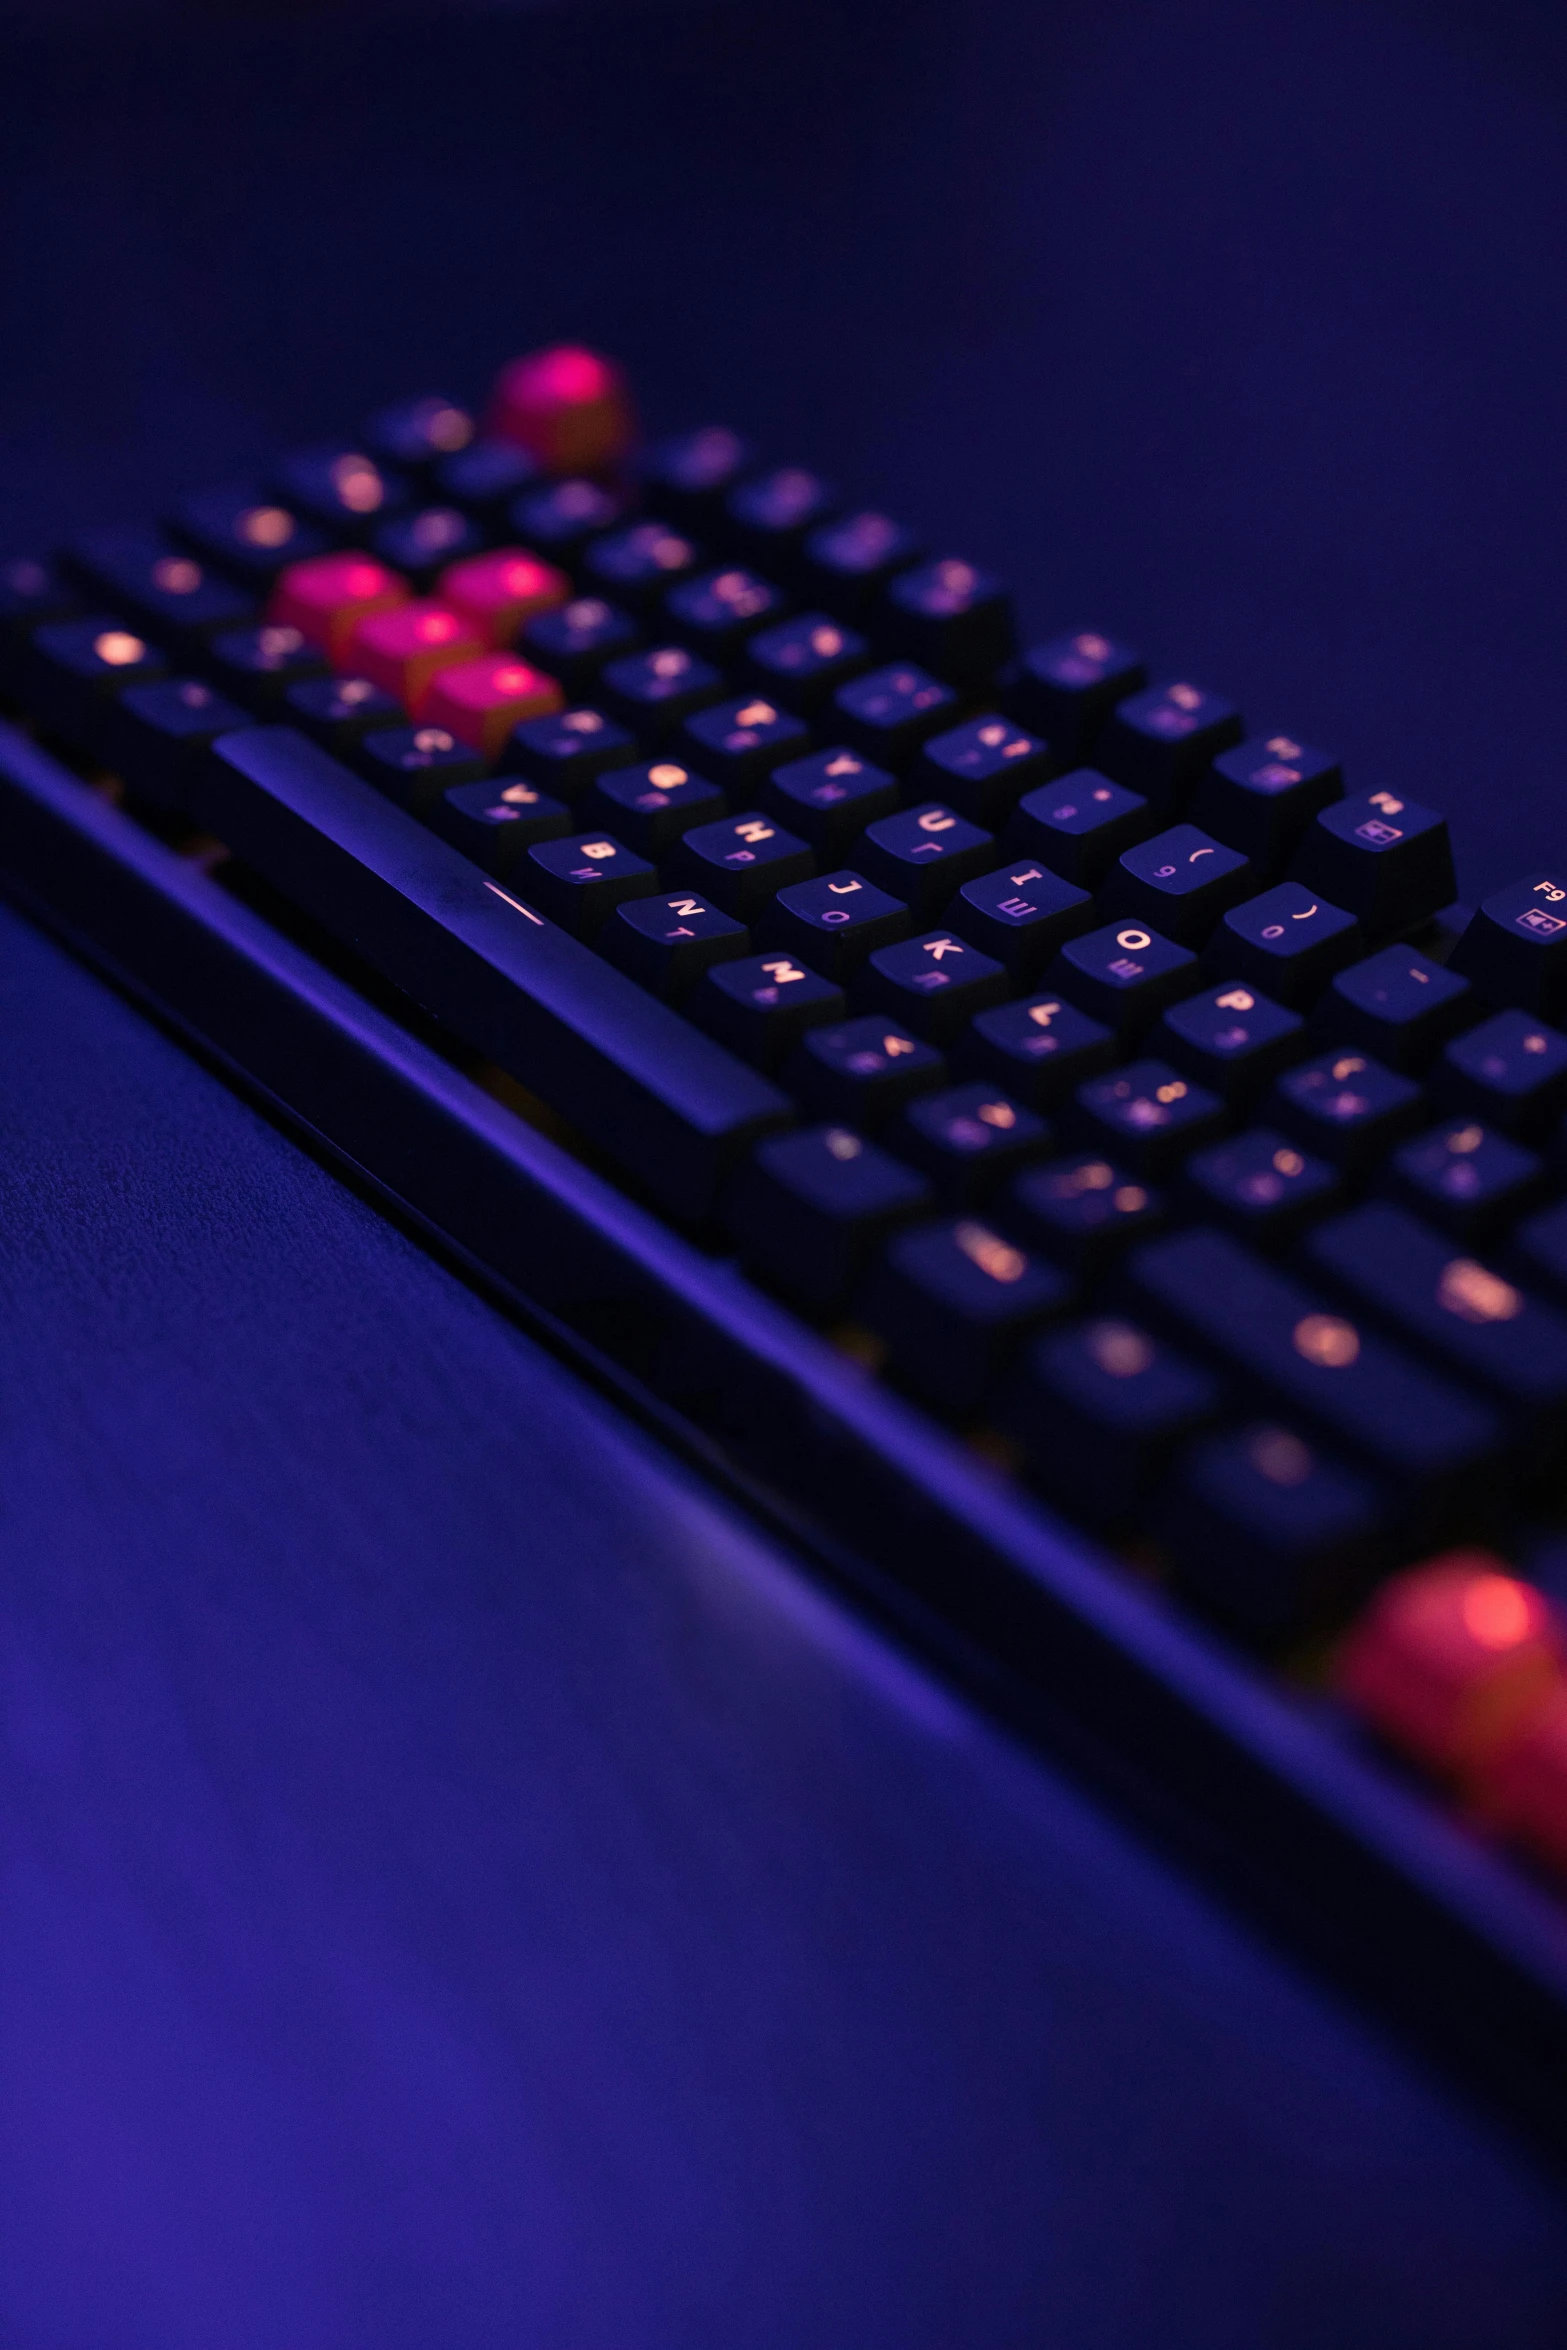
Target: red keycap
[327, 596]
[405, 649]
[481, 701]
[501, 591]
[1522, 1790]
[567, 407]
[1452, 1658]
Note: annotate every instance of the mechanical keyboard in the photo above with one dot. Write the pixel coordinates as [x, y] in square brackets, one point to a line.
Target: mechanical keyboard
[1067, 1156]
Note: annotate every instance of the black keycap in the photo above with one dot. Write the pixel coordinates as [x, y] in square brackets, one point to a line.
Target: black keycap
[835, 921]
[572, 642]
[862, 1070]
[153, 736]
[1079, 825]
[1021, 916]
[486, 479]
[655, 692]
[1148, 1115]
[1540, 1247]
[247, 533]
[634, 1077]
[258, 665]
[1233, 1039]
[1336, 1372]
[343, 489]
[72, 669]
[413, 765]
[1515, 948]
[496, 820]
[934, 984]
[742, 862]
[1512, 1070]
[649, 807]
[969, 1139]
[1468, 1178]
[761, 1006]
[829, 798]
[846, 563]
[417, 434]
[637, 566]
[158, 585]
[769, 516]
[561, 518]
[1260, 797]
[1100, 1408]
[1124, 975]
[1040, 1049]
[566, 750]
[1382, 858]
[1084, 1210]
[924, 855]
[336, 711]
[718, 610]
[423, 541]
[953, 1301]
[811, 1209]
[982, 768]
[1161, 741]
[1510, 1343]
[1270, 1534]
[1288, 942]
[579, 881]
[1178, 881]
[888, 713]
[1348, 1107]
[668, 942]
[687, 477]
[1067, 689]
[740, 741]
[803, 661]
[951, 617]
[1262, 1185]
[1398, 1004]
[31, 593]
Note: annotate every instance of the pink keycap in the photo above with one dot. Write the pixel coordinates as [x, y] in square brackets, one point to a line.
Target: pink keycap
[481, 701]
[326, 596]
[405, 649]
[499, 592]
[569, 408]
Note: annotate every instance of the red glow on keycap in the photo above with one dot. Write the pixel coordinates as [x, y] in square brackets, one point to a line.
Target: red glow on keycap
[570, 408]
[498, 593]
[481, 701]
[1452, 1658]
[1522, 1790]
[404, 649]
[327, 596]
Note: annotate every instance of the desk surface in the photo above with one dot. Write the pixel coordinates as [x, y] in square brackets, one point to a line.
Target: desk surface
[460, 1887]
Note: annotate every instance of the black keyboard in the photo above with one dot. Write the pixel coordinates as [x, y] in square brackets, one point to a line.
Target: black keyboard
[1063, 1152]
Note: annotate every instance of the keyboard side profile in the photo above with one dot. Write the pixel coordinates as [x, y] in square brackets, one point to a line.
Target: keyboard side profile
[1003, 1354]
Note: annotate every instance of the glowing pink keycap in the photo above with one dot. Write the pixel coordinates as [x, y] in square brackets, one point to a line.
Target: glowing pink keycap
[499, 592]
[404, 650]
[569, 408]
[481, 701]
[326, 596]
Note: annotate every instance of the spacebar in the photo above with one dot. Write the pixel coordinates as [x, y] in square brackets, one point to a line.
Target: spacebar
[630, 1074]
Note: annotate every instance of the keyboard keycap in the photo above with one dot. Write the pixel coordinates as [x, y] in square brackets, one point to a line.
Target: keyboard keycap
[343, 489]
[573, 641]
[1540, 1246]
[847, 563]
[951, 617]
[982, 768]
[663, 1100]
[742, 862]
[1160, 742]
[1233, 1039]
[1147, 1115]
[888, 713]
[1020, 916]
[1124, 975]
[563, 518]
[1287, 942]
[1079, 825]
[423, 541]
[769, 516]
[259, 665]
[649, 807]
[1384, 859]
[157, 585]
[811, 1209]
[326, 596]
[152, 736]
[564, 752]
[72, 670]
[829, 798]
[1067, 689]
[1511, 1071]
[486, 479]
[499, 593]
[1515, 947]
[1180, 882]
[1467, 1177]
[739, 742]
[970, 1139]
[924, 854]
[638, 565]
[336, 711]
[417, 434]
[481, 701]
[668, 942]
[1101, 1407]
[653, 693]
[953, 1301]
[761, 1006]
[834, 922]
[688, 477]
[246, 533]
[405, 649]
[716, 612]
[1040, 1049]
[32, 592]
[934, 984]
[570, 408]
[1347, 1107]
[1398, 1004]
[414, 765]
[1263, 1186]
[862, 1071]
[1084, 1210]
[579, 881]
[1260, 797]
[495, 822]
[803, 661]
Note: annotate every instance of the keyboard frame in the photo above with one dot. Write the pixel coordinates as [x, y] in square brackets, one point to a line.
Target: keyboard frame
[1348, 1862]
